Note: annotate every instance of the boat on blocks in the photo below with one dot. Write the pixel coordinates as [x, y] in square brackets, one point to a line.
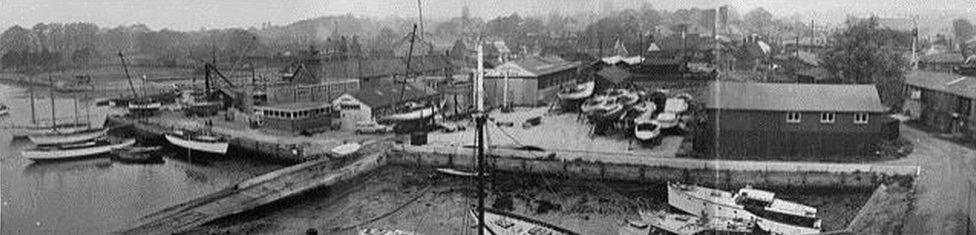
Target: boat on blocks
[68, 137]
[662, 222]
[75, 150]
[771, 214]
[203, 142]
[499, 222]
[577, 92]
[411, 112]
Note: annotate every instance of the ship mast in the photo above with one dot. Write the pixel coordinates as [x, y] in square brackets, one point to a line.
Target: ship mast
[126, 69]
[54, 120]
[403, 87]
[480, 119]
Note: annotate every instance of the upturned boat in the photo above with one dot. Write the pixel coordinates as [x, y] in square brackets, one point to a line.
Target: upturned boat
[771, 214]
[75, 150]
[68, 137]
[203, 142]
[675, 105]
[579, 91]
[499, 222]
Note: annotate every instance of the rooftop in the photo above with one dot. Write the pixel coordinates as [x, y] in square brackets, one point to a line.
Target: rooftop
[945, 82]
[794, 97]
[534, 66]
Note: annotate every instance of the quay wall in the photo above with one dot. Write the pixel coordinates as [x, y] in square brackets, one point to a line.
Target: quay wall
[627, 167]
[153, 133]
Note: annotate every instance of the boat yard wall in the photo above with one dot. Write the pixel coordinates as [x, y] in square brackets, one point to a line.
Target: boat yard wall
[149, 132]
[641, 168]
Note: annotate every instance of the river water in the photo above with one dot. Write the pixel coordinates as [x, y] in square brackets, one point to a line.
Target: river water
[96, 195]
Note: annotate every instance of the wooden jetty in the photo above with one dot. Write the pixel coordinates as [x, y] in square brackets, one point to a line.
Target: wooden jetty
[252, 193]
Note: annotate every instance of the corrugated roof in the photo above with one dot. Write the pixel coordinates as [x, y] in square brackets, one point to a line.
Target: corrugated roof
[388, 94]
[946, 82]
[793, 97]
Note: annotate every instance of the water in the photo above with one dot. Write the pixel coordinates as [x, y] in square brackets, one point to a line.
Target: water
[96, 195]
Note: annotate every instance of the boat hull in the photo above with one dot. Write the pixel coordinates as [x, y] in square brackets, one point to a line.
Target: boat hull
[215, 147]
[706, 208]
[585, 91]
[412, 115]
[25, 131]
[67, 138]
[61, 154]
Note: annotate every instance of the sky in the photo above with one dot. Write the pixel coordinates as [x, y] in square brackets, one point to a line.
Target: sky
[197, 14]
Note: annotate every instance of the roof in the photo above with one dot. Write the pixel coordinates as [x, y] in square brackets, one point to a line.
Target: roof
[945, 82]
[614, 74]
[944, 58]
[533, 66]
[388, 94]
[794, 97]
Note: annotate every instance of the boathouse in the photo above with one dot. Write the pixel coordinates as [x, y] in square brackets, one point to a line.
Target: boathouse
[532, 81]
[942, 101]
[803, 121]
[301, 117]
[374, 102]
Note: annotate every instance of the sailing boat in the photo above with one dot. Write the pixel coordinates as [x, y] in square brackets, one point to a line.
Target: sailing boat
[74, 150]
[139, 105]
[412, 110]
[199, 141]
[492, 221]
[67, 137]
[35, 128]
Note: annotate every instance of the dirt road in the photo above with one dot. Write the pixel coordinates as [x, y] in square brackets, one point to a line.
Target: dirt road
[946, 187]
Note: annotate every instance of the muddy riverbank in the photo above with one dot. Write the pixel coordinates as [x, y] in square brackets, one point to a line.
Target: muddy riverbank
[424, 201]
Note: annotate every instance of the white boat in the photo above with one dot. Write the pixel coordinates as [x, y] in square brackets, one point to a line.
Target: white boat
[74, 150]
[68, 137]
[413, 114]
[770, 213]
[144, 106]
[378, 231]
[449, 171]
[595, 103]
[202, 142]
[661, 222]
[675, 105]
[667, 120]
[580, 91]
[346, 149]
[503, 223]
[646, 128]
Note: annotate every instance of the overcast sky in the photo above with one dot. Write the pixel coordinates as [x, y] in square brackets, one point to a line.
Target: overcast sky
[195, 14]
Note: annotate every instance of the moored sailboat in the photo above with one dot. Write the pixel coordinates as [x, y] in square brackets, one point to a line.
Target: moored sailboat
[203, 142]
[75, 150]
[68, 137]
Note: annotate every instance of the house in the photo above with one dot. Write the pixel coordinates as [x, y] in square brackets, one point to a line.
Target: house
[532, 80]
[942, 101]
[940, 62]
[373, 102]
[300, 117]
[792, 120]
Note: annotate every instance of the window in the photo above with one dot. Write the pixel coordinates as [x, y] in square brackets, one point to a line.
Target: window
[349, 106]
[860, 118]
[827, 117]
[793, 117]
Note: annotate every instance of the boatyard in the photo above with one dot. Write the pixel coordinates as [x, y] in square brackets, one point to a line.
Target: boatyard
[625, 118]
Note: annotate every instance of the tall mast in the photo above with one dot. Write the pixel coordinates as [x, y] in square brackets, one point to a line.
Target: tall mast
[54, 120]
[126, 68]
[30, 83]
[480, 120]
[403, 87]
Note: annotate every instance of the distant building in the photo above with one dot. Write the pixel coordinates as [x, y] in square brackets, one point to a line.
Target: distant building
[792, 120]
[322, 92]
[532, 81]
[373, 102]
[940, 62]
[302, 117]
[942, 101]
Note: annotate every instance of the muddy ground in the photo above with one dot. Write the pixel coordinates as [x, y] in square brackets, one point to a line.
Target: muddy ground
[421, 200]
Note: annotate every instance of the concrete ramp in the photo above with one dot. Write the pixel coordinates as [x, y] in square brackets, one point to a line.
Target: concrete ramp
[251, 193]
